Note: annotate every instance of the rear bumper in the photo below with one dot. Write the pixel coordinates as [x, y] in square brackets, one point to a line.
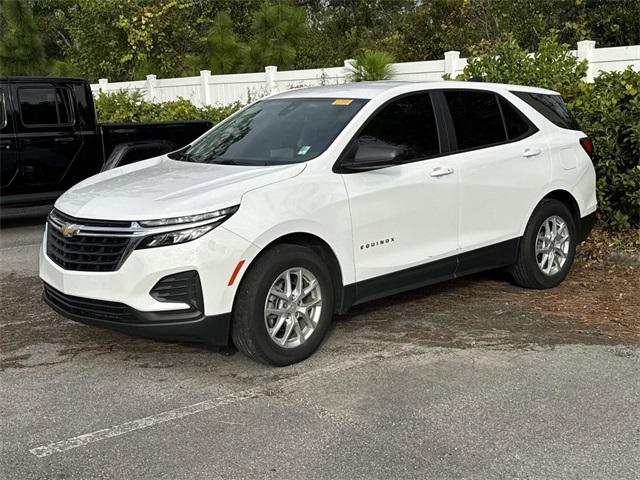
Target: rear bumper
[585, 225]
[176, 325]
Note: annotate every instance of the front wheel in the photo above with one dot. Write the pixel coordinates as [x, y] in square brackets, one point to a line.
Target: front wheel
[283, 306]
[547, 247]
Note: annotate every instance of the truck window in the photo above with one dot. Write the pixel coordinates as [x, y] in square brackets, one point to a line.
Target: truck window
[3, 112]
[48, 106]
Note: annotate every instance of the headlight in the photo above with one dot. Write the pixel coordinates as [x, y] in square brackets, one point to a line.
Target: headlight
[213, 216]
[163, 232]
[172, 238]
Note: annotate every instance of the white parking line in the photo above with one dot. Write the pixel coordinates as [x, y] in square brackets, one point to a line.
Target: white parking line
[2, 325]
[170, 415]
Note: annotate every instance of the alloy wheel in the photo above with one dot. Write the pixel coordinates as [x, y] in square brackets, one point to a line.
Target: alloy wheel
[552, 245]
[293, 307]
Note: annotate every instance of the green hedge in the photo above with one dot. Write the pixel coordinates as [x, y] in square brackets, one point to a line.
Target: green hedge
[608, 110]
[125, 106]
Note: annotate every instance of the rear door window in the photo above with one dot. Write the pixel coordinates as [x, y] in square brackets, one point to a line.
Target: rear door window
[45, 106]
[476, 118]
[552, 107]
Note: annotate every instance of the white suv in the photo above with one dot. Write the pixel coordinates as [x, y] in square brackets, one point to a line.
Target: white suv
[307, 202]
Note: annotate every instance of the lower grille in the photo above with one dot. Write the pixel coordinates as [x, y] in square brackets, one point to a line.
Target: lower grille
[88, 308]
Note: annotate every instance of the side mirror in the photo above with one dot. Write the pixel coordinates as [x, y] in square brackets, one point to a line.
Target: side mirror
[371, 156]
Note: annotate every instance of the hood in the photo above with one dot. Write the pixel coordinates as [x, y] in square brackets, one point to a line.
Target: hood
[163, 188]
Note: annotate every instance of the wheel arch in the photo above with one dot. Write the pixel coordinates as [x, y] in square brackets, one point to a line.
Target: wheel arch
[324, 251]
[568, 199]
[560, 194]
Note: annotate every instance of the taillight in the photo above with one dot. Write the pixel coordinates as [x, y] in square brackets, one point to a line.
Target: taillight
[587, 144]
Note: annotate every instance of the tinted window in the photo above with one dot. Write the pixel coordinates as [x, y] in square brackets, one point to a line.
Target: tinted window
[408, 123]
[552, 107]
[476, 118]
[275, 131]
[3, 112]
[517, 125]
[44, 106]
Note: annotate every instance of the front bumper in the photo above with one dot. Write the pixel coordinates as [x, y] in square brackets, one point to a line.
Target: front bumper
[176, 325]
[214, 257]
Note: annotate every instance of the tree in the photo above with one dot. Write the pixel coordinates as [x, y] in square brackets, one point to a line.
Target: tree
[224, 52]
[339, 29]
[372, 65]
[21, 50]
[277, 28]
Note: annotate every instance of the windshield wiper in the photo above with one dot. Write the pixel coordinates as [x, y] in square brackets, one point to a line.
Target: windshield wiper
[182, 156]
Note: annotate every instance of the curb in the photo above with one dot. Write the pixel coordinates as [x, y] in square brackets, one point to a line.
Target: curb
[624, 258]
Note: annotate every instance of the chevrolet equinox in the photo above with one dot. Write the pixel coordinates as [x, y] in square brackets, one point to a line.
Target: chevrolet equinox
[307, 202]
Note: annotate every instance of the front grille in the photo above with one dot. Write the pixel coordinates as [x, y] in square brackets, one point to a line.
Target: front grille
[181, 287]
[88, 308]
[81, 251]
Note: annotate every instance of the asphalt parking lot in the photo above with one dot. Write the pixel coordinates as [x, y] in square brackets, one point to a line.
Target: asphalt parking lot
[475, 378]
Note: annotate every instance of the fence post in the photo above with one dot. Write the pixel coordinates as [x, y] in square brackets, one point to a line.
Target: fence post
[151, 87]
[270, 78]
[347, 70]
[585, 52]
[102, 84]
[451, 59]
[205, 92]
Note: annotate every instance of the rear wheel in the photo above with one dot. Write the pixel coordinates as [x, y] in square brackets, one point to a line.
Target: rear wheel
[283, 306]
[547, 248]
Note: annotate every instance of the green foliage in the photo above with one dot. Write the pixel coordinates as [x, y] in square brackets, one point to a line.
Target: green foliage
[277, 28]
[608, 110]
[372, 65]
[126, 106]
[340, 29]
[21, 50]
[224, 52]
[551, 66]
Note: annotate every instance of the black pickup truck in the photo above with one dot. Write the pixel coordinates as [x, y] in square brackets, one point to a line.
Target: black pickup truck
[50, 139]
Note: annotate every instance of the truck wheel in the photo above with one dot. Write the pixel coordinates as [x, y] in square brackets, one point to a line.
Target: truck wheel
[547, 248]
[283, 306]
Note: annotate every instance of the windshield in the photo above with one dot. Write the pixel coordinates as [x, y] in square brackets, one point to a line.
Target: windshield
[274, 132]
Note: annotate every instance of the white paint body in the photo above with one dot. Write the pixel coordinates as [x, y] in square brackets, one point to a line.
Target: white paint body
[487, 199]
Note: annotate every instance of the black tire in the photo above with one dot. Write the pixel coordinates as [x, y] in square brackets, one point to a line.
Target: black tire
[248, 330]
[526, 271]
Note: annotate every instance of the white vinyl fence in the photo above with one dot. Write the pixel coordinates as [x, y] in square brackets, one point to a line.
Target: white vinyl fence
[207, 89]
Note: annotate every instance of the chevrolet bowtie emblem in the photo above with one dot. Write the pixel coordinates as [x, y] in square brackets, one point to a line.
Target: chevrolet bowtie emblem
[68, 230]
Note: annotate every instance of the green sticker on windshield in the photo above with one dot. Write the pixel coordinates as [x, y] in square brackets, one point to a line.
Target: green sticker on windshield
[303, 150]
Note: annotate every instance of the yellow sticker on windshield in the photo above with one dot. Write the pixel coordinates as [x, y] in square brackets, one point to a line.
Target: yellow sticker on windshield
[342, 101]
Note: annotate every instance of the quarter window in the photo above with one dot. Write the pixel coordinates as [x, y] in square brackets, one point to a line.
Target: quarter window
[408, 123]
[44, 106]
[552, 107]
[517, 125]
[476, 118]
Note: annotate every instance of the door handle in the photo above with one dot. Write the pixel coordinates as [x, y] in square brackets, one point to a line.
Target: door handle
[441, 172]
[63, 139]
[531, 152]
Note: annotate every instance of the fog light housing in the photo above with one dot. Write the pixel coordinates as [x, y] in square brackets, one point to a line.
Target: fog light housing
[183, 287]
